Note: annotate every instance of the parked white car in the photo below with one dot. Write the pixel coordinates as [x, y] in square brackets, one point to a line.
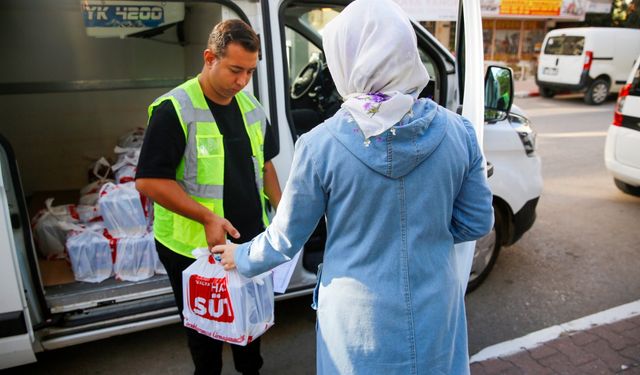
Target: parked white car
[622, 148]
[593, 60]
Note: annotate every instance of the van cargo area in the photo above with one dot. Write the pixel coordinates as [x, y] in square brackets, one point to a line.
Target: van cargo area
[70, 92]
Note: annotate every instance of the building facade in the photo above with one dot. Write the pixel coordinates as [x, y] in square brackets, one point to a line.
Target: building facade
[513, 30]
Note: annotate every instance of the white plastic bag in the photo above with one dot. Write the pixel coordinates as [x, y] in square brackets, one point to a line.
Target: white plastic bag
[135, 258]
[50, 236]
[89, 193]
[99, 169]
[122, 211]
[126, 173]
[132, 139]
[127, 165]
[224, 304]
[88, 214]
[90, 254]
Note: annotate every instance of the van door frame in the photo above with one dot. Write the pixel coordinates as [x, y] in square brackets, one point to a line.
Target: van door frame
[16, 331]
[470, 64]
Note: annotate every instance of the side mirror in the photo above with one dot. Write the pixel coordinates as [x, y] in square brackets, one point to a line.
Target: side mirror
[498, 92]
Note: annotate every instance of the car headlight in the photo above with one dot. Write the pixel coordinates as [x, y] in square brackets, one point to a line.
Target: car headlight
[527, 136]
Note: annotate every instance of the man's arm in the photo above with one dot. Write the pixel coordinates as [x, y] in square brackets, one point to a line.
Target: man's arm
[170, 195]
[271, 184]
[162, 149]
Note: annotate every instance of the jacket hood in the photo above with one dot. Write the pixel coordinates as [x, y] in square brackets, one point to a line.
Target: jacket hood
[399, 150]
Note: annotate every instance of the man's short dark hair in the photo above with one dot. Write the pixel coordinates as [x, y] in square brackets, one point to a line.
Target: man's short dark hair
[232, 31]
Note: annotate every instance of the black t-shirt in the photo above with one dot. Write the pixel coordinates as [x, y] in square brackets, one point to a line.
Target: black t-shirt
[164, 146]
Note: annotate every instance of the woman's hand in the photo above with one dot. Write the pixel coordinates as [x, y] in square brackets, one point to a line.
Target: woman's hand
[226, 253]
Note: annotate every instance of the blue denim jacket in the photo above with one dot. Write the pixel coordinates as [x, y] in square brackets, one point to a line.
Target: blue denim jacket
[389, 297]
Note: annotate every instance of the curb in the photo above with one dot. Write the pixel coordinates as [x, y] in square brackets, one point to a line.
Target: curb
[526, 94]
[538, 338]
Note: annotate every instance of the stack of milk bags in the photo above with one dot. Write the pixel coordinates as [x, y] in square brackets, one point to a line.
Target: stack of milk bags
[109, 232]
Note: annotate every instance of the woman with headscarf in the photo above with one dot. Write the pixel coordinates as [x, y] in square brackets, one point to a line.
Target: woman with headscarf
[400, 180]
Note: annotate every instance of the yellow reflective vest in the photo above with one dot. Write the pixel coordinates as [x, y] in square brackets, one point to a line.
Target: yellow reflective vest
[201, 170]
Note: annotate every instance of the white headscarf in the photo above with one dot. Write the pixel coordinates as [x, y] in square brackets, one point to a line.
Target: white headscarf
[372, 54]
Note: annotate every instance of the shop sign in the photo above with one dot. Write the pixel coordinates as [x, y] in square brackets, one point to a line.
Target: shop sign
[599, 6]
[554, 9]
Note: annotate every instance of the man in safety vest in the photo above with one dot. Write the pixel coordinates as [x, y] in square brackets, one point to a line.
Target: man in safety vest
[205, 162]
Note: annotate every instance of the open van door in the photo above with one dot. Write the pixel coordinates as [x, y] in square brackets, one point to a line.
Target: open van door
[300, 54]
[16, 333]
[470, 64]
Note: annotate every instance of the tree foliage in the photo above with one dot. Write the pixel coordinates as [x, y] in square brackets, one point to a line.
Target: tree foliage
[625, 13]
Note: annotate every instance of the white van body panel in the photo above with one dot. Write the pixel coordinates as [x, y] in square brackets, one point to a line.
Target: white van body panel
[473, 106]
[515, 184]
[282, 161]
[614, 52]
[14, 350]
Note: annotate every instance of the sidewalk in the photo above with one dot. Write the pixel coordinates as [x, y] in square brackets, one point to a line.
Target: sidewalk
[603, 343]
[526, 88]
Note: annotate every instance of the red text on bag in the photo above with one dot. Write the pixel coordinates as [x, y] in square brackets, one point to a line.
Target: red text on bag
[209, 298]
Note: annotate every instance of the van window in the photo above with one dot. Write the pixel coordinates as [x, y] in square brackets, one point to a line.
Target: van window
[299, 52]
[312, 93]
[564, 45]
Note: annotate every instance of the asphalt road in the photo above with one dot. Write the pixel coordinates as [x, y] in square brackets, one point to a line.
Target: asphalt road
[583, 253]
[581, 256]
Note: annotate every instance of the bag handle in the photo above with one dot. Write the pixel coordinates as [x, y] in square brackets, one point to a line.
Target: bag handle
[71, 227]
[48, 203]
[103, 189]
[96, 167]
[200, 252]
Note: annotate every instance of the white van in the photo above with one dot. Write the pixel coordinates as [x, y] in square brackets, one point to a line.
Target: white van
[595, 60]
[77, 75]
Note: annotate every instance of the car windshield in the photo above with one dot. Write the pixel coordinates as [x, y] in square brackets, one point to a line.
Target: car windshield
[564, 45]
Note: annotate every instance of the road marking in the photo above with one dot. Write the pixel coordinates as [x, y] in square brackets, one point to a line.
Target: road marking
[538, 338]
[572, 135]
[542, 112]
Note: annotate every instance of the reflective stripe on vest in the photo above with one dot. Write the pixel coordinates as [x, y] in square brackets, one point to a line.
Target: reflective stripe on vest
[201, 170]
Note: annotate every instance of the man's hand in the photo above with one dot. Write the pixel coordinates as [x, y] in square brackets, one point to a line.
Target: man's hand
[216, 229]
[227, 253]
[171, 196]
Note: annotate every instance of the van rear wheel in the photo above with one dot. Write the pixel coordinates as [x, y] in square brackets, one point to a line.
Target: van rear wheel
[597, 92]
[626, 188]
[547, 92]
